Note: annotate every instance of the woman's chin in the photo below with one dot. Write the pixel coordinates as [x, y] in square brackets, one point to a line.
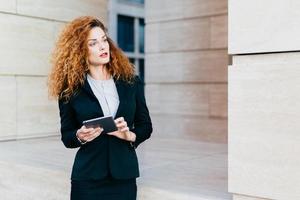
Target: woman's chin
[98, 63]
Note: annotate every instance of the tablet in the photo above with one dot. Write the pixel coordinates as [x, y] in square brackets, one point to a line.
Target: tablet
[107, 123]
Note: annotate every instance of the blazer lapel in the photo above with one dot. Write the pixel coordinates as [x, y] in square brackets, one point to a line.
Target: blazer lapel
[87, 88]
[121, 88]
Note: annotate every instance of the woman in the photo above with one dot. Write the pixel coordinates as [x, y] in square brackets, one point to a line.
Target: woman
[91, 78]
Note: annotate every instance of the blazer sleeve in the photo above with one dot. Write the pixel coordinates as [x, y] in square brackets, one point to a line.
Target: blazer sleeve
[142, 121]
[68, 124]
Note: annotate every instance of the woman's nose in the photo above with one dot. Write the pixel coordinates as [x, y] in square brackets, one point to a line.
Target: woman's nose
[101, 46]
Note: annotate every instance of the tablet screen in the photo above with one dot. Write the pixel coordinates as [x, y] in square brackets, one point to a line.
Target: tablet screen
[107, 123]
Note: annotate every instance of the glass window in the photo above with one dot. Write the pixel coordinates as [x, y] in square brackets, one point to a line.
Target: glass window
[126, 33]
[131, 60]
[137, 1]
[142, 70]
[141, 35]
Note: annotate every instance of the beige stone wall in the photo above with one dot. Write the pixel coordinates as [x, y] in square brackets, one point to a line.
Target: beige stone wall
[186, 68]
[272, 28]
[264, 100]
[263, 130]
[28, 33]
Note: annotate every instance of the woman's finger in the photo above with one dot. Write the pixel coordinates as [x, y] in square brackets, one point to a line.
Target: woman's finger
[92, 137]
[96, 131]
[87, 130]
[122, 124]
[93, 134]
[119, 120]
[114, 133]
[126, 129]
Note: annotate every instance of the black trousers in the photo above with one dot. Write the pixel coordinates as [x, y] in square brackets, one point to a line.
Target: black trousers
[106, 189]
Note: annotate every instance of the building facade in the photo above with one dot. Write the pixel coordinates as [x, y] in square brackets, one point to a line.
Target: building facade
[264, 99]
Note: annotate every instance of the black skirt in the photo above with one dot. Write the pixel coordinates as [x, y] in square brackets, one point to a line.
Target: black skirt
[106, 189]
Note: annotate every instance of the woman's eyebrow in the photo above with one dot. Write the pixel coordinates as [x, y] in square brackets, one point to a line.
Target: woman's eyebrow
[94, 39]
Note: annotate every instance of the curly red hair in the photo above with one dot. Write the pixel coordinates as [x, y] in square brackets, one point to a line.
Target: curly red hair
[70, 59]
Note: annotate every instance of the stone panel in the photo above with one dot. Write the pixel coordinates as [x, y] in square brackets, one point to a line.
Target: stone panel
[263, 127]
[200, 8]
[218, 106]
[8, 6]
[219, 38]
[188, 127]
[27, 43]
[63, 10]
[255, 29]
[188, 66]
[58, 27]
[37, 116]
[192, 34]
[178, 9]
[188, 99]
[8, 107]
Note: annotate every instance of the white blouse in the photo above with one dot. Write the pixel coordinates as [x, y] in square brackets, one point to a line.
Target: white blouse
[107, 95]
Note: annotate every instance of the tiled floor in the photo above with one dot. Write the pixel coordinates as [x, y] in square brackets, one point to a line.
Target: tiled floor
[171, 169]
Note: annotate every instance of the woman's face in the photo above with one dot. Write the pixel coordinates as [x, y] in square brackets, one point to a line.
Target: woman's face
[98, 47]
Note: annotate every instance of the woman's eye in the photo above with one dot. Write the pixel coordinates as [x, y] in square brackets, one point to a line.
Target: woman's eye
[92, 44]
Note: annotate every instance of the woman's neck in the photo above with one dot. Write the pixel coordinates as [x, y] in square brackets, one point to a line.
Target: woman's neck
[99, 73]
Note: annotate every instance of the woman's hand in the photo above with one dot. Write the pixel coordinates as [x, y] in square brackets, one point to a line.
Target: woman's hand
[88, 134]
[123, 130]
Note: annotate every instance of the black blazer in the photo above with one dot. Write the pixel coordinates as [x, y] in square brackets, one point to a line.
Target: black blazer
[105, 155]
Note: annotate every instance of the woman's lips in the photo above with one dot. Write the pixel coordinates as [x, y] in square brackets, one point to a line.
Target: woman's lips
[103, 55]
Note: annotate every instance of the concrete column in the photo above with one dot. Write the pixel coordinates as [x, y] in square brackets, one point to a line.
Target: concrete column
[186, 68]
[264, 99]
